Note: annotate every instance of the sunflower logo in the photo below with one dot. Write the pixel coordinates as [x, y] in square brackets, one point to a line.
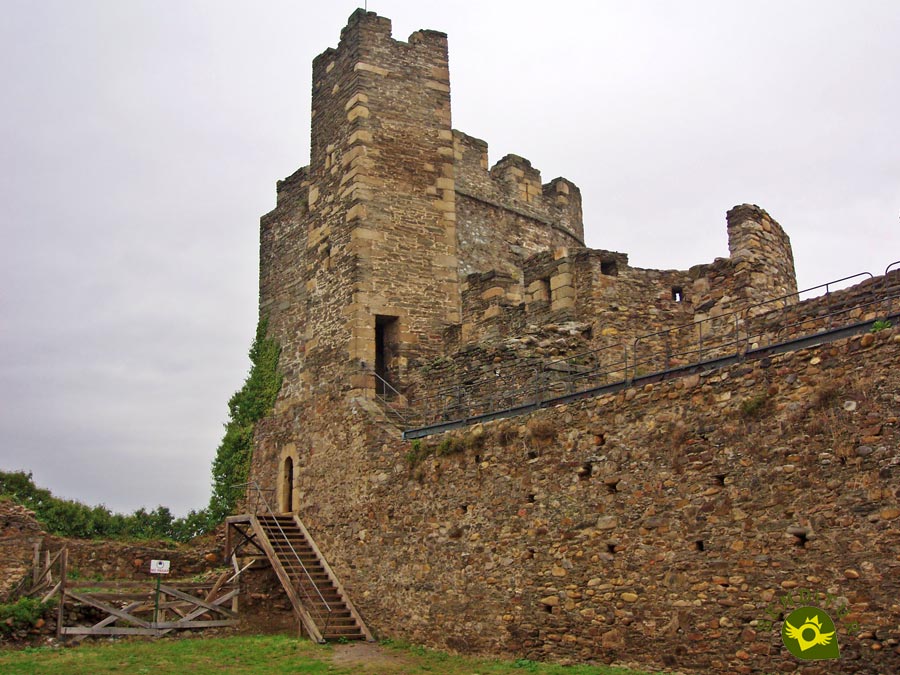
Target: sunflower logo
[809, 634]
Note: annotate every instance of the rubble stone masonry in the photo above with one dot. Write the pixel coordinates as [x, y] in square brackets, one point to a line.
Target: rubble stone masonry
[658, 524]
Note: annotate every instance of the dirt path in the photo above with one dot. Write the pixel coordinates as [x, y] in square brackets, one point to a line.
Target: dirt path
[370, 656]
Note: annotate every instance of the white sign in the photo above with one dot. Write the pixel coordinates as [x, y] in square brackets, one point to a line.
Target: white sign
[159, 567]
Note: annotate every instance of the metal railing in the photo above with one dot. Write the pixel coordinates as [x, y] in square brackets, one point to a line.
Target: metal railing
[300, 587]
[386, 394]
[728, 336]
[524, 384]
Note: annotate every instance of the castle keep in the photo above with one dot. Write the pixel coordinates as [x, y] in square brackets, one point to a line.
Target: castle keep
[399, 244]
[412, 285]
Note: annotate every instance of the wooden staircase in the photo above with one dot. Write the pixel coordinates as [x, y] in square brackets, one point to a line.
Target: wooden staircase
[317, 597]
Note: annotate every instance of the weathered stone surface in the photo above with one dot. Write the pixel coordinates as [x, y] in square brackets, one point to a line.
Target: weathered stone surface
[607, 522]
[658, 515]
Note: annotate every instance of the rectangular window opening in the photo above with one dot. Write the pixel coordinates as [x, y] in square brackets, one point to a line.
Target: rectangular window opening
[677, 294]
[609, 268]
[387, 332]
[545, 289]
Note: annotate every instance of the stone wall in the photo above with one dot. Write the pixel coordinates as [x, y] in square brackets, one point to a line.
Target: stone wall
[18, 533]
[488, 371]
[506, 214]
[283, 278]
[656, 525]
[624, 302]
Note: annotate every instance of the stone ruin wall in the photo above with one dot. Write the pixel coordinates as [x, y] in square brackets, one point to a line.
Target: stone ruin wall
[541, 537]
[505, 213]
[577, 283]
[657, 525]
[91, 559]
[614, 304]
[504, 370]
[283, 278]
[571, 534]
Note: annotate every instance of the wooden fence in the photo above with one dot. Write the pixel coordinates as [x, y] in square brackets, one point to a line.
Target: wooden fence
[147, 607]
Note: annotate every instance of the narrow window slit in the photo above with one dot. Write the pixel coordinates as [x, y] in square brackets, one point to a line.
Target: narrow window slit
[584, 471]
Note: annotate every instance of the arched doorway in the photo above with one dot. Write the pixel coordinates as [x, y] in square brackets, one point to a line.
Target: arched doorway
[287, 486]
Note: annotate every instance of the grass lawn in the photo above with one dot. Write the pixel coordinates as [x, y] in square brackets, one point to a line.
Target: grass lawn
[264, 655]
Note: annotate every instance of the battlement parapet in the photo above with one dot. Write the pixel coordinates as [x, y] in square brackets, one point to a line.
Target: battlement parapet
[507, 210]
[622, 302]
[491, 306]
[761, 253]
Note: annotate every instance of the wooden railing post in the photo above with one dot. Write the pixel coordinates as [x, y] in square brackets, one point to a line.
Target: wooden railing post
[63, 569]
[36, 575]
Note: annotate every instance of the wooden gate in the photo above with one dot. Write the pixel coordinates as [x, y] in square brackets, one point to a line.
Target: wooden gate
[134, 608]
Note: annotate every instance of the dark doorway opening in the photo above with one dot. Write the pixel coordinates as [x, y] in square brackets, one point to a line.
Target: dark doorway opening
[287, 486]
[386, 343]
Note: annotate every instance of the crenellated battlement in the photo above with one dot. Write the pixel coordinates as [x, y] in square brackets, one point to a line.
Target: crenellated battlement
[506, 213]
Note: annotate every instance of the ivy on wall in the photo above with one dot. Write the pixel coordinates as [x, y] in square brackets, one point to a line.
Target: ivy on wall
[251, 403]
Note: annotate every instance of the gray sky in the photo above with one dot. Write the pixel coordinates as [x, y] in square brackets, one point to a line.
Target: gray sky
[141, 142]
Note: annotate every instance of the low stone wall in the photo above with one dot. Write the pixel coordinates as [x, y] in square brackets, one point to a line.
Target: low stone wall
[18, 532]
[108, 560]
[94, 559]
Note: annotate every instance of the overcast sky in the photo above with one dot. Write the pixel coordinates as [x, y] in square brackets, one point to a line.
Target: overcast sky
[141, 141]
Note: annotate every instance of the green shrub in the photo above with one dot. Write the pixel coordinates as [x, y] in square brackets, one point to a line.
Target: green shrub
[880, 326]
[451, 445]
[755, 407]
[255, 400]
[24, 613]
[417, 452]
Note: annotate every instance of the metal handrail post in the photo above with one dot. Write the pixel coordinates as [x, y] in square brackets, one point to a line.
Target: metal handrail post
[634, 358]
[889, 304]
[700, 339]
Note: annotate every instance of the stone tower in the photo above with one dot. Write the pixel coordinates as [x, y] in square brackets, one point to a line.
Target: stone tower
[359, 255]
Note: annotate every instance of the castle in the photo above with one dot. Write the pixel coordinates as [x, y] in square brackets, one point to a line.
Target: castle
[413, 287]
